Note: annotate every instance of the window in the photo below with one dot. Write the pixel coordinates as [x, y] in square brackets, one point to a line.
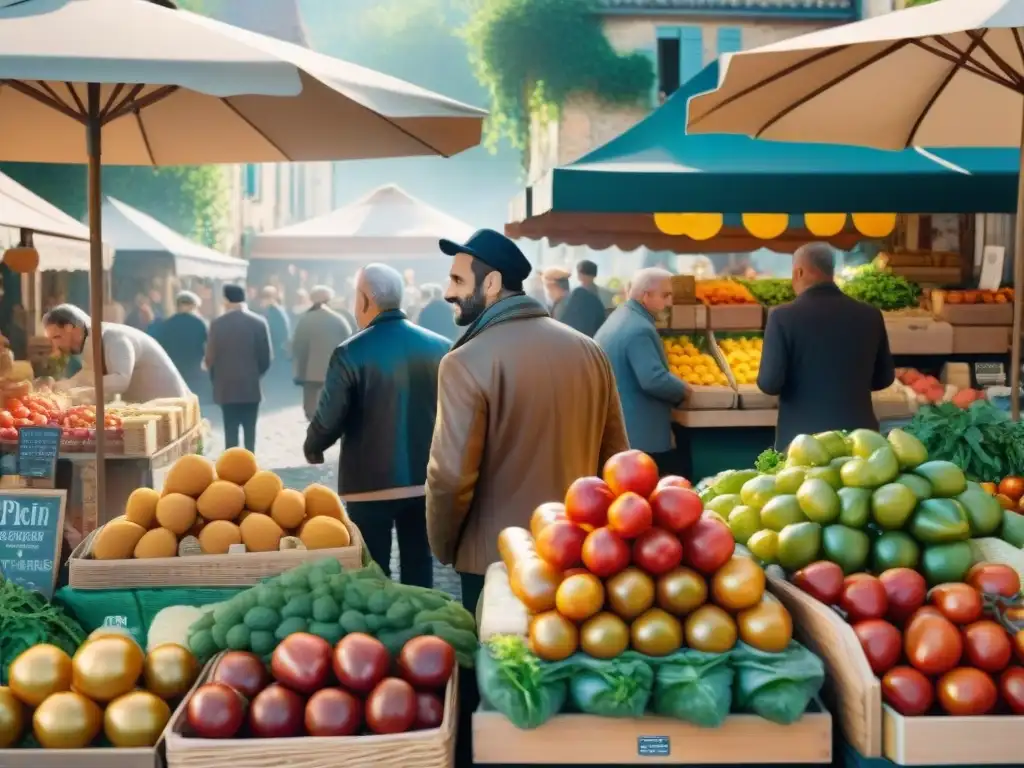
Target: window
[730, 40]
[680, 56]
[251, 178]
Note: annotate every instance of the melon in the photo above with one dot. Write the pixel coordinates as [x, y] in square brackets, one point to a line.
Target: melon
[260, 533]
[261, 490]
[288, 509]
[217, 537]
[324, 533]
[160, 542]
[236, 465]
[176, 512]
[223, 500]
[141, 507]
[322, 501]
[190, 475]
[116, 540]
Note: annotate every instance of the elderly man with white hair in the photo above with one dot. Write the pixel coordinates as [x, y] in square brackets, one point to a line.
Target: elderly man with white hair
[648, 390]
[379, 401]
[318, 332]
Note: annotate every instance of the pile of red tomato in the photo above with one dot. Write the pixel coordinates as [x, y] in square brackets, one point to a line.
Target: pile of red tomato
[1009, 492]
[31, 410]
[631, 561]
[959, 646]
[312, 689]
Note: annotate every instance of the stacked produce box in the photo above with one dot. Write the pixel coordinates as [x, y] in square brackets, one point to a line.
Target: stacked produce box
[638, 607]
[694, 358]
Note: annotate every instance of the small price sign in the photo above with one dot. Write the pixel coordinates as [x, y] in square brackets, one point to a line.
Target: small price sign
[31, 530]
[38, 448]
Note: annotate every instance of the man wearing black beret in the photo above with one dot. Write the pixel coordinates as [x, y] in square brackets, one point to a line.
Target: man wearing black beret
[525, 406]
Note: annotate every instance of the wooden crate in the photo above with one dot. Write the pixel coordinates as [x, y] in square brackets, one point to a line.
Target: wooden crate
[944, 740]
[592, 740]
[858, 693]
[241, 570]
[433, 748]
[91, 757]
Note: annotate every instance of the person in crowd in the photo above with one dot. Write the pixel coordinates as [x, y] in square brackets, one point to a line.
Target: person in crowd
[341, 306]
[318, 332]
[586, 273]
[533, 286]
[823, 354]
[156, 304]
[648, 390]
[582, 309]
[183, 337]
[526, 406]
[379, 400]
[556, 290]
[134, 365]
[277, 321]
[238, 354]
[437, 314]
[301, 306]
[141, 314]
[411, 297]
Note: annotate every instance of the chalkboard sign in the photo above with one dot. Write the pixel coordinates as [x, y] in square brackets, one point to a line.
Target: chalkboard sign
[38, 448]
[31, 529]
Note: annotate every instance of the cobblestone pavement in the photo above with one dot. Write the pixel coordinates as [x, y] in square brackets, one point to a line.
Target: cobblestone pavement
[279, 434]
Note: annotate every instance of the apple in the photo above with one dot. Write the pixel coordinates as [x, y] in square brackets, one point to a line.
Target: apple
[630, 515]
[674, 481]
[675, 508]
[587, 502]
[633, 471]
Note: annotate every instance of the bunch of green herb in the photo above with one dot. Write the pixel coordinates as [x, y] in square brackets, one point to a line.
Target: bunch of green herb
[769, 461]
[770, 291]
[981, 439]
[26, 619]
[882, 289]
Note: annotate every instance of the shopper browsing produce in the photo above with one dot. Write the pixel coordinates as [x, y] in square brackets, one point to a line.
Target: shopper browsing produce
[823, 354]
[521, 414]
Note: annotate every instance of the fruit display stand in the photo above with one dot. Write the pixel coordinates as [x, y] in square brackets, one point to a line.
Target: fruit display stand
[433, 748]
[591, 740]
[740, 353]
[874, 729]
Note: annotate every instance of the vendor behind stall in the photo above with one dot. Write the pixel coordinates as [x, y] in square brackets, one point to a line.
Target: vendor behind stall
[135, 366]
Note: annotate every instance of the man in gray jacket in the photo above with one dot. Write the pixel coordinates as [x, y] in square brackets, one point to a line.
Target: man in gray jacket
[237, 356]
[647, 389]
[318, 333]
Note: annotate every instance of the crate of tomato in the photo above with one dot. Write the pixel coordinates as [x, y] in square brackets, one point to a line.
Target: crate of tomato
[314, 704]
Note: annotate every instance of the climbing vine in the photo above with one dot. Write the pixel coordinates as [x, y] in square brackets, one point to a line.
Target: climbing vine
[531, 55]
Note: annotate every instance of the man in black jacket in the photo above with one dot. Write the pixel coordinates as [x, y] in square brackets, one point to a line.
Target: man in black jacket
[824, 354]
[380, 400]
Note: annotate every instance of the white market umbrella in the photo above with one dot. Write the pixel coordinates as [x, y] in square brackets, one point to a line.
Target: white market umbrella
[947, 74]
[132, 83]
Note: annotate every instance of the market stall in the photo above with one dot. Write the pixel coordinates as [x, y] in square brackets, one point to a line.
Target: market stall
[145, 250]
[625, 191]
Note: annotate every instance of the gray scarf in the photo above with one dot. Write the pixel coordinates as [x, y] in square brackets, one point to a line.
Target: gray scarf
[512, 308]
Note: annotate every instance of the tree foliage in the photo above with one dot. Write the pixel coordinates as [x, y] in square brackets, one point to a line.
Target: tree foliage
[192, 200]
[532, 55]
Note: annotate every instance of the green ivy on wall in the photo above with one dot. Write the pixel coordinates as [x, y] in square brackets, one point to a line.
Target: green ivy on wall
[532, 55]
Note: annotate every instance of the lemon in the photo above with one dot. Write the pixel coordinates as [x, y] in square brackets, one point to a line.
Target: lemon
[764, 545]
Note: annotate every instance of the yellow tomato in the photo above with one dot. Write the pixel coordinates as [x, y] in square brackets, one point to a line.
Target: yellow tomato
[38, 672]
[169, 670]
[12, 718]
[66, 720]
[107, 667]
[136, 719]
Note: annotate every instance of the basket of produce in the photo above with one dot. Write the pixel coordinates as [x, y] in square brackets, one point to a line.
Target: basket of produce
[223, 524]
[693, 359]
[880, 288]
[316, 703]
[638, 618]
[742, 355]
[731, 306]
[107, 702]
[974, 307]
[878, 535]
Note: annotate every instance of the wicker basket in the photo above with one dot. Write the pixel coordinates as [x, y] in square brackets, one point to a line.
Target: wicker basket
[433, 748]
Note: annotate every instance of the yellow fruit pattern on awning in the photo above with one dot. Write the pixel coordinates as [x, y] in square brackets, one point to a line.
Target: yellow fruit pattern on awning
[768, 226]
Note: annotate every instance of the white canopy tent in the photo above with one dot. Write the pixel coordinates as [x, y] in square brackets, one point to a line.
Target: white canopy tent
[62, 242]
[134, 233]
[386, 222]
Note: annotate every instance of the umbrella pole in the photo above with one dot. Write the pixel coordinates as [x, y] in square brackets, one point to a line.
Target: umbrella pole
[94, 129]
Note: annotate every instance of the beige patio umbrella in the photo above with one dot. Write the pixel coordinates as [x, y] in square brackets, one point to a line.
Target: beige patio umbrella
[948, 74]
[133, 83]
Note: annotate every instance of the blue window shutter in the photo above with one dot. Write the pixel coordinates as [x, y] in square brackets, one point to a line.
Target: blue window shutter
[668, 33]
[730, 40]
[652, 55]
[691, 52]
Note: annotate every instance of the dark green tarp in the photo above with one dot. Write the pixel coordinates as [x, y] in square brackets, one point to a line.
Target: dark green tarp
[656, 167]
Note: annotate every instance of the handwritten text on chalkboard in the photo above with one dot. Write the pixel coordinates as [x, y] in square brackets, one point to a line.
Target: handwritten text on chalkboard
[31, 527]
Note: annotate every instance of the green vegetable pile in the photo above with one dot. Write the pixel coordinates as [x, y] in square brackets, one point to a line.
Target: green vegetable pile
[770, 291]
[980, 439]
[321, 599]
[688, 685]
[881, 289]
[26, 619]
